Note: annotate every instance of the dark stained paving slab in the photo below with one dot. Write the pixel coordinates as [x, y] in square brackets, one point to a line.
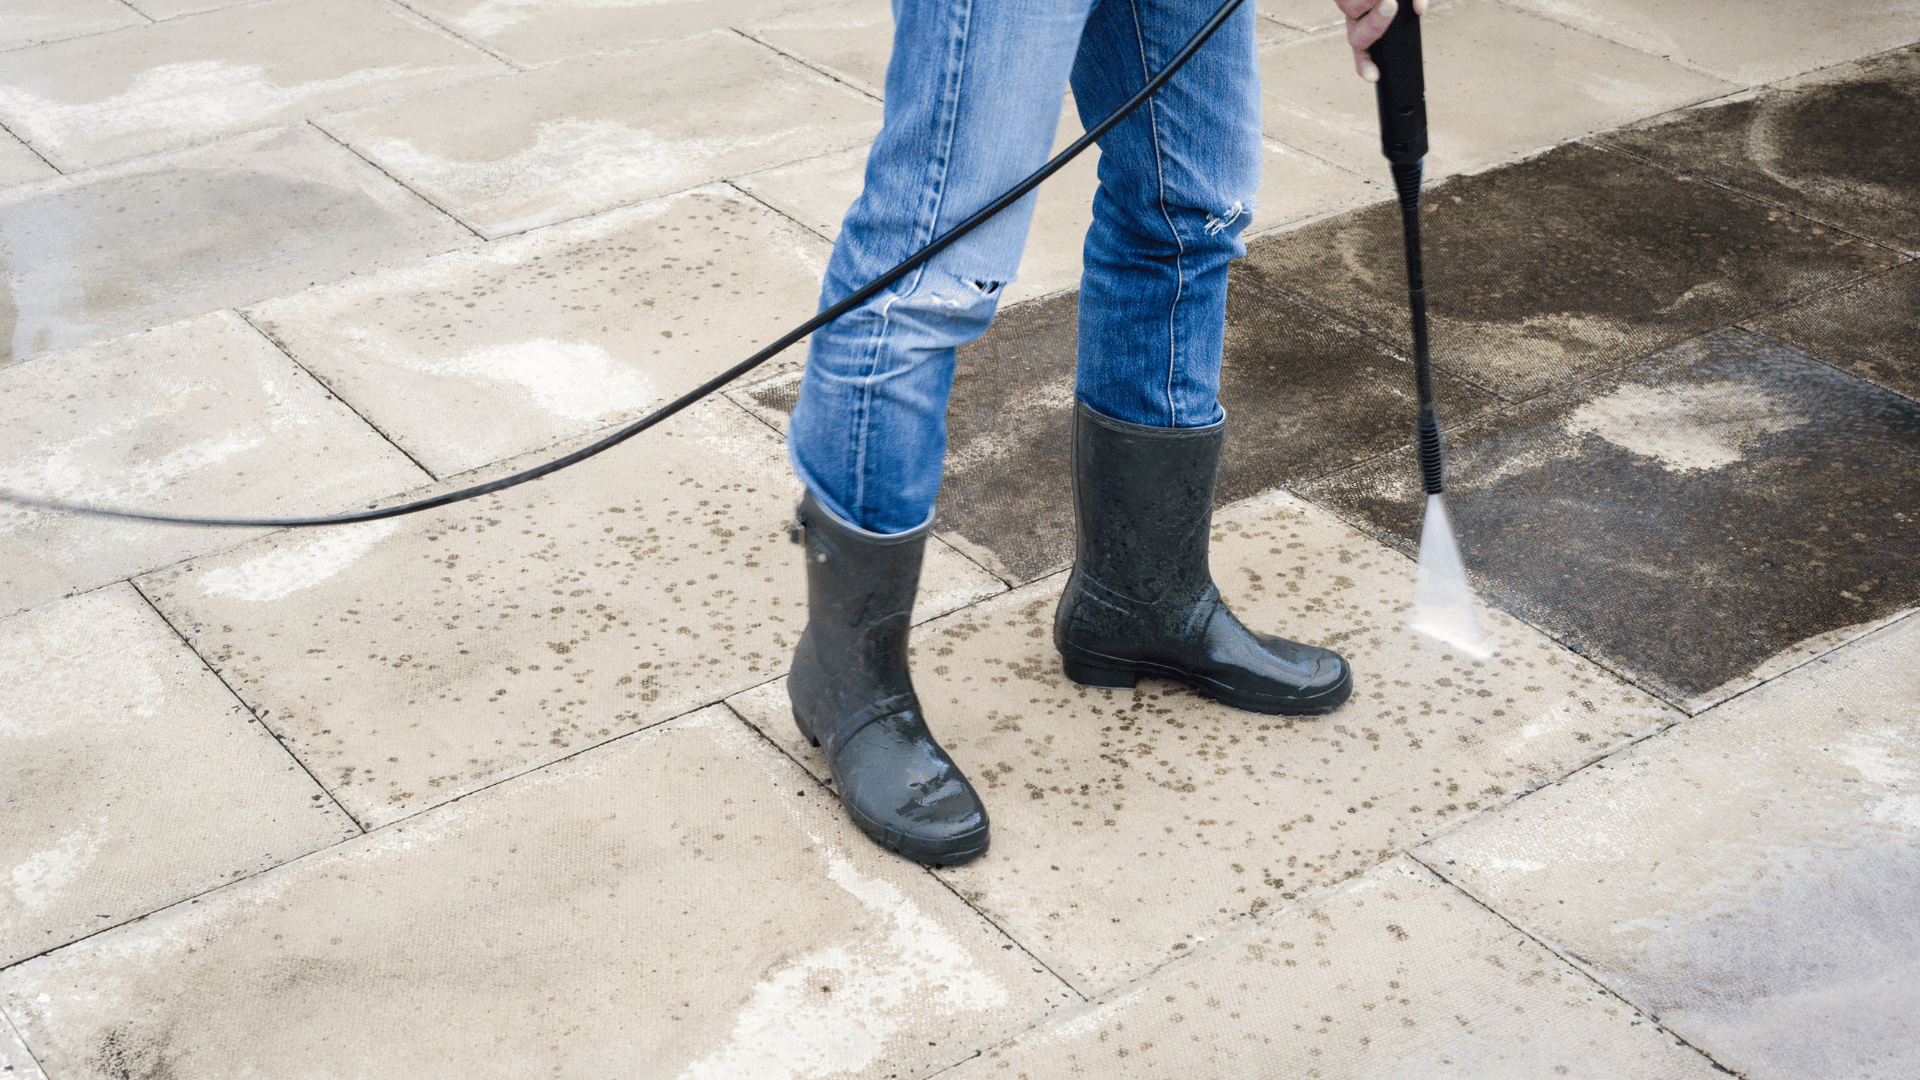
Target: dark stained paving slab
[1687, 519]
[1565, 265]
[1840, 146]
[1304, 396]
[1871, 328]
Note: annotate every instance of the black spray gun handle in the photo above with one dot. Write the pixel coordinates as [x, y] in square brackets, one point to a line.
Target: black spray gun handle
[1402, 96]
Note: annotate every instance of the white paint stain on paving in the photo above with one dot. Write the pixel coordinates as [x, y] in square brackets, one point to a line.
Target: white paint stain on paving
[38, 880]
[52, 671]
[1685, 428]
[787, 1031]
[571, 380]
[195, 98]
[300, 565]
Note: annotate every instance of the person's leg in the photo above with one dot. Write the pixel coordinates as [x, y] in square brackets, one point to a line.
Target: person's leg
[973, 97]
[1176, 190]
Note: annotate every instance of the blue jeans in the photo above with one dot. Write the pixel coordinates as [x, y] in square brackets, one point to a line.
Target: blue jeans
[972, 102]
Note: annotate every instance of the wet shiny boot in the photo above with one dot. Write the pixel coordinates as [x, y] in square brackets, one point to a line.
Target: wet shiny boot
[852, 695]
[1141, 600]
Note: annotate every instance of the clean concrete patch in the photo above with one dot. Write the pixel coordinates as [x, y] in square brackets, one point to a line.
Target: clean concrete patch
[19, 165]
[1396, 974]
[1129, 826]
[16, 1063]
[410, 661]
[486, 354]
[33, 22]
[514, 154]
[681, 904]
[204, 417]
[133, 779]
[166, 85]
[112, 251]
[1752, 876]
[536, 32]
[850, 40]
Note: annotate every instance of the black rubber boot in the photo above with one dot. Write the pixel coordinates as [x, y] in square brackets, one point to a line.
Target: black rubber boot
[1141, 600]
[852, 695]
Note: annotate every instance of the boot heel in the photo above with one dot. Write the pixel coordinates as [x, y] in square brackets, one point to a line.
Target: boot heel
[1099, 676]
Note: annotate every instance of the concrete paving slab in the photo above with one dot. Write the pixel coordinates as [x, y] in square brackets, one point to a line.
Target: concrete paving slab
[202, 417]
[1303, 14]
[1395, 974]
[1871, 329]
[151, 242]
[411, 661]
[1476, 53]
[19, 165]
[1129, 826]
[1837, 146]
[35, 22]
[15, 1062]
[1749, 41]
[513, 154]
[1571, 263]
[170, 9]
[850, 40]
[1752, 876]
[591, 920]
[1772, 492]
[486, 354]
[166, 85]
[1304, 396]
[538, 32]
[134, 780]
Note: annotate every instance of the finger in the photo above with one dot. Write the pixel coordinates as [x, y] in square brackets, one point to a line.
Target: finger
[1364, 66]
[1367, 29]
[1420, 8]
[1353, 9]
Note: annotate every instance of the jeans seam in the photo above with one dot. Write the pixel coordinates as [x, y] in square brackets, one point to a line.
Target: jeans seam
[1160, 189]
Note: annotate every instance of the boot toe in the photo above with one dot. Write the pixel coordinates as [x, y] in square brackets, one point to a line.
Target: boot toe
[904, 792]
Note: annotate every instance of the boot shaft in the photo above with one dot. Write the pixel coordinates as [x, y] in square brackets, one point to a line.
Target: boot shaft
[1143, 504]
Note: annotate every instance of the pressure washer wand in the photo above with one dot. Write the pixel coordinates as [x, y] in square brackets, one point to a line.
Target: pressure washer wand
[1443, 606]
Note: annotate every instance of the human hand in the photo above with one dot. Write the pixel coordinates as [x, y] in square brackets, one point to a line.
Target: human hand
[1366, 21]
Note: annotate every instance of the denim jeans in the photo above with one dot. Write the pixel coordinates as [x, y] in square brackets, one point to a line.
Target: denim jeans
[972, 103]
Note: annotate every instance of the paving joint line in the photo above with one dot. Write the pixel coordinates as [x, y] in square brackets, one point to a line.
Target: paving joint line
[456, 35]
[745, 194]
[1575, 961]
[315, 124]
[14, 1028]
[34, 150]
[808, 64]
[335, 395]
[1759, 333]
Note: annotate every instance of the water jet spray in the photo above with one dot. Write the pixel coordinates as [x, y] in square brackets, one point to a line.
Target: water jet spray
[1442, 599]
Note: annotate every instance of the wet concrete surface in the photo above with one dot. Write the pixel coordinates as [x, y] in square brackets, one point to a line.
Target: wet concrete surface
[1564, 265]
[1685, 520]
[1839, 146]
[141, 245]
[1871, 329]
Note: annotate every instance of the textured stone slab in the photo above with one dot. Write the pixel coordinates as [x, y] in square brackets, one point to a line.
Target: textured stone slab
[31, 22]
[203, 417]
[1305, 14]
[411, 661]
[1574, 262]
[513, 154]
[133, 778]
[1396, 974]
[482, 355]
[1131, 825]
[1476, 52]
[592, 920]
[16, 1063]
[166, 85]
[850, 40]
[1837, 145]
[19, 165]
[542, 31]
[168, 9]
[1686, 521]
[1752, 876]
[1753, 41]
[1871, 329]
[151, 242]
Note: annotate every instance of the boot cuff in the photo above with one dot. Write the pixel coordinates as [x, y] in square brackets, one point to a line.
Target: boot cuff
[810, 513]
[1146, 431]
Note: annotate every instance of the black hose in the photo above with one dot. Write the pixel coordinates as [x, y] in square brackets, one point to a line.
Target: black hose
[853, 300]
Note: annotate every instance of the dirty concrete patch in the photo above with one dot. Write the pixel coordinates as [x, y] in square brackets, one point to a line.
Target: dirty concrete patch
[599, 904]
[165, 85]
[204, 417]
[483, 355]
[1568, 264]
[585, 135]
[133, 779]
[1837, 146]
[1395, 974]
[1753, 876]
[412, 660]
[122, 249]
[1871, 329]
[1131, 826]
[1687, 519]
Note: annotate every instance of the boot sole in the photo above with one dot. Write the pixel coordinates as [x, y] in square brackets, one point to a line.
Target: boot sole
[1110, 675]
